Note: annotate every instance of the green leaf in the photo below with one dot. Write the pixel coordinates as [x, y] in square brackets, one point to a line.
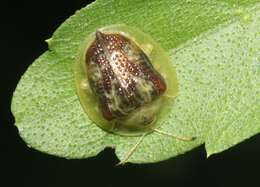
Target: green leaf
[215, 47]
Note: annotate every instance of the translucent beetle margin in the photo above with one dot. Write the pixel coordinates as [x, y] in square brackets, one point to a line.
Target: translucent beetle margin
[154, 112]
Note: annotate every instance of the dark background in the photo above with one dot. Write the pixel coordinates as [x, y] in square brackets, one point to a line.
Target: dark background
[24, 26]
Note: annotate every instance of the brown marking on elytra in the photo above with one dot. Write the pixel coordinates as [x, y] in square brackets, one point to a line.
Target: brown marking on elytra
[121, 75]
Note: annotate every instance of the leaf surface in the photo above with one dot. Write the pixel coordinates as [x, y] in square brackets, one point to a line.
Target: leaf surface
[215, 47]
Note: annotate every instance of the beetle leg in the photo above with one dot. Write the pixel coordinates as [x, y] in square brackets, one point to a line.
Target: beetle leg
[84, 84]
[132, 150]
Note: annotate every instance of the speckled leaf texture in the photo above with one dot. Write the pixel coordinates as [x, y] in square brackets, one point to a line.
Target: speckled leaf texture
[215, 46]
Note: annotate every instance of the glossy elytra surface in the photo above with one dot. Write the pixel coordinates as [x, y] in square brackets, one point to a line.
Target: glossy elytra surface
[121, 75]
[124, 80]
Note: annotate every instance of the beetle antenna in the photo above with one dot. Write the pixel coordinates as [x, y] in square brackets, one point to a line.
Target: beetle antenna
[132, 150]
[173, 136]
